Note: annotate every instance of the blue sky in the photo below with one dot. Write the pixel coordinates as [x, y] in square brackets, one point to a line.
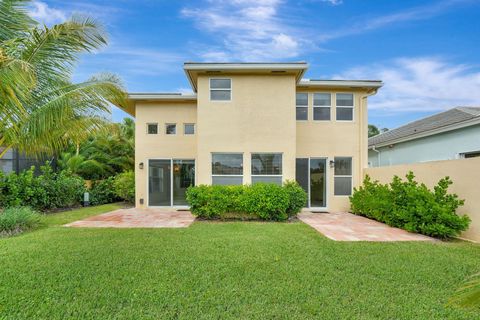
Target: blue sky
[426, 52]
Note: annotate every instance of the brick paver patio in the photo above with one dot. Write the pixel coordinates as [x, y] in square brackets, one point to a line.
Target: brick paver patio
[138, 218]
[350, 227]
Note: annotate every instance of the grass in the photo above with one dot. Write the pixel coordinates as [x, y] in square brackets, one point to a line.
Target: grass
[61, 218]
[232, 270]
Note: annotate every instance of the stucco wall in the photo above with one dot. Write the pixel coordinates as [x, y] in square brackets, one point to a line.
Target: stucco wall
[259, 118]
[335, 139]
[465, 174]
[158, 146]
[444, 146]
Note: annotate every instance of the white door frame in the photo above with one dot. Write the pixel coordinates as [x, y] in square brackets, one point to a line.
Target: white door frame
[171, 182]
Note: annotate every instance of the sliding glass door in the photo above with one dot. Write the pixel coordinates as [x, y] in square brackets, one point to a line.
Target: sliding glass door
[168, 181]
[311, 176]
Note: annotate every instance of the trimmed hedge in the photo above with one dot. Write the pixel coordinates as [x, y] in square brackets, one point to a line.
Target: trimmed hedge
[410, 205]
[264, 201]
[18, 220]
[124, 186]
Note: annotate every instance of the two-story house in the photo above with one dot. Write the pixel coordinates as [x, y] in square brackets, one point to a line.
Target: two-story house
[249, 123]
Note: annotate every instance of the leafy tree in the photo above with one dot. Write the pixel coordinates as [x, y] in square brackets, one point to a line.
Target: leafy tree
[372, 130]
[41, 110]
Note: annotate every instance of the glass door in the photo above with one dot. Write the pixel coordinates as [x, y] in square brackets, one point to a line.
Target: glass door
[159, 183]
[318, 192]
[183, 177]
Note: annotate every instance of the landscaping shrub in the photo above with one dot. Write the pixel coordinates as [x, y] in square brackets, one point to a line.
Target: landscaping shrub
[262, 200]
[411, 206]
[297, 197]
[103, 192]
[124, 186]
[49, 190]
[17, 220]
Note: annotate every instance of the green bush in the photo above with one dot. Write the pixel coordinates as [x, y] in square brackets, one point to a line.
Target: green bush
[49, 190]
[124, 186]
[262, 201]
[103, 191]
[411, 206]
[17, 220]
[297, 197]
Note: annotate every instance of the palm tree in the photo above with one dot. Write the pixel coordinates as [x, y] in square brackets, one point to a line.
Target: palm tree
[41, 110]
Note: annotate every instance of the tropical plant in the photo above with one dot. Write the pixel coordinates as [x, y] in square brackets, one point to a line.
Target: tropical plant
[124, 186]
[41, 110]
[18, 220]
[468, 295]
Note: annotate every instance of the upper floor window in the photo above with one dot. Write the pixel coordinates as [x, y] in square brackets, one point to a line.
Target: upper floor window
[344, 106]
[152, 128]
[343, 176]
[302, 106]
[227, 168]
[170, 128]
[267, 167]
[220, 89]
[322, 103]
[189, 128]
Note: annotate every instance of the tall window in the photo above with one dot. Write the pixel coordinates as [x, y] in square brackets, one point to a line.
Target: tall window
[227, 168]
[220, 89]
[267, 167]
[322, 103]
[302, 106]
[344, 106]
[343, 176]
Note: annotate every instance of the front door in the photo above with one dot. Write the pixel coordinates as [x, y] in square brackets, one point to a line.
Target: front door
[168, 181]
[311, 176]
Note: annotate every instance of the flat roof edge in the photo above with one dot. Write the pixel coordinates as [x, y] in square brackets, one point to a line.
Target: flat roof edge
[161, 96]
[341, 83]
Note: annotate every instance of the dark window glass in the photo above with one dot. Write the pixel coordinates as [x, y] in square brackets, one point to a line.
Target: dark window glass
[321, 113]
[227, 180]
[302, 99]
[220, 95]
[267, 179]
[227, 163]
[171, 129]
[322, 99]
[266, 164]
[343, 166]
[152, 128]
[189, 128]
[343, 186]
[345, 114]
[344, 99]
[220, 83]
[472, 155]
[302, 113]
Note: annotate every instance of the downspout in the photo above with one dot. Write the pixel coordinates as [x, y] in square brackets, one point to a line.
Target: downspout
[364, 100]
[378, 155]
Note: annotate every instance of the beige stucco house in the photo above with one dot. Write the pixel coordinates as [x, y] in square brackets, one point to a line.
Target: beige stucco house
[248, 123]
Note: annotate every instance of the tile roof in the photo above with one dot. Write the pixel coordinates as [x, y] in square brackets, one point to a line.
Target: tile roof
[422, 126]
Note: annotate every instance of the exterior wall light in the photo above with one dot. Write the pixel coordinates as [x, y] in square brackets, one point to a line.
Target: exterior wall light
[332, 164]
[140, 165]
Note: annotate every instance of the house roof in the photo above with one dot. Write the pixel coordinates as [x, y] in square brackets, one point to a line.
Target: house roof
[370, 84]
[163, 96]
[193, 69]
[441, 122]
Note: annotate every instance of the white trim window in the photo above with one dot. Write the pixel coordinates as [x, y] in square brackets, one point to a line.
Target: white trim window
[189, 128]
[227, 168]
[266, 167]
[220, 89]
[345, 106]
[342, 176]
[170, 128]
[301, 102]
[152, 128]
[322, 103]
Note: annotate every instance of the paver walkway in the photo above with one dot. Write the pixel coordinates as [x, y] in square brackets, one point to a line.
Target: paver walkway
[138, 218]
[350, 227]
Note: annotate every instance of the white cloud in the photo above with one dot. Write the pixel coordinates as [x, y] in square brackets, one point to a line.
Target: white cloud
[41, 12]
[333, 2]
[420, 84]
[250, 30]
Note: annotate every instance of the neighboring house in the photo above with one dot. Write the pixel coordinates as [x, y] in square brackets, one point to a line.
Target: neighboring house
[452, 134]
[249, 123]
[14, 161]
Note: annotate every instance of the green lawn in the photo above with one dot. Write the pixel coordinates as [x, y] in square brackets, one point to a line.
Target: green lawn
[243, 270]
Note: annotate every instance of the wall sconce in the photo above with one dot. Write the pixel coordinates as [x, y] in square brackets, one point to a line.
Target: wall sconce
[332, 164]
[140, 165]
